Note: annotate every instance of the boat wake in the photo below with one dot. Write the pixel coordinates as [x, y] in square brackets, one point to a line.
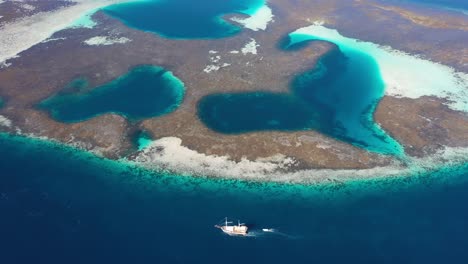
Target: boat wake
[270, 232]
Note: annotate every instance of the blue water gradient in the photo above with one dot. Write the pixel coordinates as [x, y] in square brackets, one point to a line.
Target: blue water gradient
[68, 206]
[183, 19]
[145, 91]
[337, 97]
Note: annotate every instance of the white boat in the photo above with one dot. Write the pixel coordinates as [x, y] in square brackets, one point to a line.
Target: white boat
[233, 230]
[268, 230]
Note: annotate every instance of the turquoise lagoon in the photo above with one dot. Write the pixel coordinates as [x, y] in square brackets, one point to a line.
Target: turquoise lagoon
[337, 97]
[144, 92]
[183, 19]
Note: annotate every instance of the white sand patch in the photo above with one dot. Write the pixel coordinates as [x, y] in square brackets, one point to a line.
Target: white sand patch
[211, 68]
[169, 154]
[215, 59]
[250, 47]
[258, 21]
[26, 32]
[52, 39]
[28, 7]
[5, 64]
[5, 122]
[404, 75]
[105, 41]
[215, 63]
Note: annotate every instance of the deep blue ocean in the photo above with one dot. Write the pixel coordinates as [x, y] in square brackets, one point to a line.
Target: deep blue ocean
[60, 205]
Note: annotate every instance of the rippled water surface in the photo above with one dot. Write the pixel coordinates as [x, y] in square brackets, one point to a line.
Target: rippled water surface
[59, 205]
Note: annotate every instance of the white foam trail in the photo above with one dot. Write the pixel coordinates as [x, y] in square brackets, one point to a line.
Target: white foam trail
[404, 75]
[278, 233]
[169, 154]
[26, 32]
[258, 21]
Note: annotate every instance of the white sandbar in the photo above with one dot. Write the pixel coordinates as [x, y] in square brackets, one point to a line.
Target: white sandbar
[404, 75]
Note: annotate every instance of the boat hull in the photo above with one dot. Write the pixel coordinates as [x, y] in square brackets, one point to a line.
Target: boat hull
[233, 230]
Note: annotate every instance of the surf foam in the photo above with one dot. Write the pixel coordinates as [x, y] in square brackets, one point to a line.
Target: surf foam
[169, 154]
[404, 75]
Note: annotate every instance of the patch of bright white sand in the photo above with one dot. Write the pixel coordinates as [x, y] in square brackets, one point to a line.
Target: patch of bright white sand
[404, 75]
[258, 21]
[169, 154]
[216, 63]
[211, 68]
[105, 40]
[53, 39]
[28, 7]
[5, 122]
[26, 32]
[250, 47]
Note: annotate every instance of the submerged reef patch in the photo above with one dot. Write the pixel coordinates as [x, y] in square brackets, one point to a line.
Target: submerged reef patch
[144, 92]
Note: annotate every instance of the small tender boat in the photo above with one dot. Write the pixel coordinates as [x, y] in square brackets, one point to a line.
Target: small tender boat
[268, 230]
[233, 230]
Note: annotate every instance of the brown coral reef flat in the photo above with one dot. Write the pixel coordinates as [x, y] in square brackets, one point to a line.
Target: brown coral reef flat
[421, 125]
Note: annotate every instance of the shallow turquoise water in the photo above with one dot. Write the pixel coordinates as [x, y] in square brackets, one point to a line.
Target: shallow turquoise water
[145, 91]
[141, 139]
[183, 19]
[337, 97]
[68, 206]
